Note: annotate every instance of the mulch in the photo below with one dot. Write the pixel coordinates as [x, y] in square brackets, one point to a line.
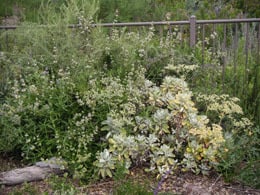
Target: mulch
[185, 183]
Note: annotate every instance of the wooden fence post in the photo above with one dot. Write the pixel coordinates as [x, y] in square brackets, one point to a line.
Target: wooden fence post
[192, 31]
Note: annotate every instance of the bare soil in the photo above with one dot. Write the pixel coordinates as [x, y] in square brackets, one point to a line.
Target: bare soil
[185, 183]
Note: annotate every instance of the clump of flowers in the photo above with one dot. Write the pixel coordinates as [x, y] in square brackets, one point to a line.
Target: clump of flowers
[225, 111]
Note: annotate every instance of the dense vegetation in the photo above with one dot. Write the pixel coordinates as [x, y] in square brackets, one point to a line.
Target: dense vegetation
[103, 102]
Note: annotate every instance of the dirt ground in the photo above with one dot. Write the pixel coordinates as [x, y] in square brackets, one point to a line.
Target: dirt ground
[182, 183]
[185, 183]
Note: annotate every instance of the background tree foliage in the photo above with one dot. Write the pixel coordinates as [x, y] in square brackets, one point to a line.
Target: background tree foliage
[145, 10]
[250, 7]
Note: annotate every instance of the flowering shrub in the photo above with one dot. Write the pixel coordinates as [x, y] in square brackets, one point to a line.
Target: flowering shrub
[166, 132]
[225, 111]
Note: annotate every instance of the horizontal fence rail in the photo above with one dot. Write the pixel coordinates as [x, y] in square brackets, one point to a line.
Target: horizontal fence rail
[184, 22]
[192, 23]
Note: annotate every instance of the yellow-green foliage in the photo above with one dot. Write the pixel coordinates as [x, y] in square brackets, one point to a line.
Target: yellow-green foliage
[167, 132]
[225, 111]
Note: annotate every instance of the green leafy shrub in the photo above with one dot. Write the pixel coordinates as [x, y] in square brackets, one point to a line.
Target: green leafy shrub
[166, 132]
[241, 159]
[39, 110]
[238, 158]
[225, 111]
[231, 69]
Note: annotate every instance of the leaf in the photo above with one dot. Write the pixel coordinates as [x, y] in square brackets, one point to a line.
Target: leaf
[108, 172]
[171, 161]
[102, 171]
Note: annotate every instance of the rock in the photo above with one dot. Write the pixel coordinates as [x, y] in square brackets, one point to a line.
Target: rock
[39, 171]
